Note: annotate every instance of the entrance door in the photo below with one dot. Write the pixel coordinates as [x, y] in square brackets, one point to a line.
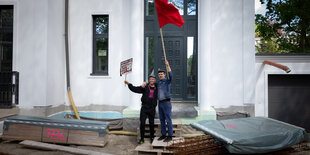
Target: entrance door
[181, 48]
[173, 46]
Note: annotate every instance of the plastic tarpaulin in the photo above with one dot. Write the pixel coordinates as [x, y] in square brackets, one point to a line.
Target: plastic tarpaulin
[253, 134]
[87, 125]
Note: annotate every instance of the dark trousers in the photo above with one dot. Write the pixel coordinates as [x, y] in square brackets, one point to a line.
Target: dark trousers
[147, 112]
[164, 110]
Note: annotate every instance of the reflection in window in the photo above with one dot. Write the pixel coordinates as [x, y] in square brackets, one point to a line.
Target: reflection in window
[102, 24]
[191, 7]
[100, 45]
[179, 4]
[191, 71]
[149, 48]
[149, 8]
[6, 37]
[102, 59]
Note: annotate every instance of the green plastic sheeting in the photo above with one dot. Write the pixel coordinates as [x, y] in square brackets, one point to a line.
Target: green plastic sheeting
[253, 134]
[87, 125]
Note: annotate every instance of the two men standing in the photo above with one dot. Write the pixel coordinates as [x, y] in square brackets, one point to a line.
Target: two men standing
[161, 91]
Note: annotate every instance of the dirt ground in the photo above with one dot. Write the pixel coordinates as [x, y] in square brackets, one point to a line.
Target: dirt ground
[121, 145]
[117, 144]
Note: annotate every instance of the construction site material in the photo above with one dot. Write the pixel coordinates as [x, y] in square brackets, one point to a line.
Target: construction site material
[202, 114]
[161, 144]
[114, 124]
[231, 115]
[253, 134]
[53, 147]
[147, 147]
[176, 124]
[131, 124]
[123, 133]
[157, 146]
[91, 114]
[188, 111]
[64, 131]
[205, 144]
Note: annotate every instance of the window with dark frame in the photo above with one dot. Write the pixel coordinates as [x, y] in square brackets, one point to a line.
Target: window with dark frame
[6, 37]
[100, 45]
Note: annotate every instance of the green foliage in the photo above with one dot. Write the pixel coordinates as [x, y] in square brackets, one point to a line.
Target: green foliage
[285, 27]
[189, 64]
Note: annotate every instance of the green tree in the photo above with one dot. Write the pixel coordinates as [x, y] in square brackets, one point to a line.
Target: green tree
[285, 25]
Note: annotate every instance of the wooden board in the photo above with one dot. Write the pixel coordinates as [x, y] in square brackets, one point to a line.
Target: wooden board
[53, 147]
[22, 132]
[156, 143]
[147, 147]
[86, 138]
[53, 135]
[176, 124]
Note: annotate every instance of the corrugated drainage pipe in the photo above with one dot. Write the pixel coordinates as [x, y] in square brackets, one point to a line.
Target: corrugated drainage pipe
[67, 44]
[285, 68]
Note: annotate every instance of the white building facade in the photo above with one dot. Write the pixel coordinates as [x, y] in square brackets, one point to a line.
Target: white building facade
[226, 56]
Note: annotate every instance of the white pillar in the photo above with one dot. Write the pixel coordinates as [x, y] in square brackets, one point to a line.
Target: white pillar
[136, 48]
[204, 52]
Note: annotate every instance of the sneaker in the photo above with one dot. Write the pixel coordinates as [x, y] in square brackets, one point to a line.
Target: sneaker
[151, 140]
[161, 137]
[168, 139]
[141, 141]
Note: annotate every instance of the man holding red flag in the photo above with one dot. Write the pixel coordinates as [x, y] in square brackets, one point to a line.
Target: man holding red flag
[166, 14]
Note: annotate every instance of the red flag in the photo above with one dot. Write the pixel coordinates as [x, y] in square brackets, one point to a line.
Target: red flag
[167, 13]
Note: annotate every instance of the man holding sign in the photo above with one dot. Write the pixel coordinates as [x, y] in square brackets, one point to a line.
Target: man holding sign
[149, 103]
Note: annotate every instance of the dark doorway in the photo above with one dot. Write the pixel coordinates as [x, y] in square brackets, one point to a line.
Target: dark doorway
[289, 99]
[181, 48]
[6, 38]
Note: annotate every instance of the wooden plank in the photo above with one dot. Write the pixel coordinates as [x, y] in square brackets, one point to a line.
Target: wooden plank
[176, 133]
[22, 132]
[55, 135]
[46, 129]
[161, 143]
[53, 147]
[81, 137]
[158, 128]
[147, 147]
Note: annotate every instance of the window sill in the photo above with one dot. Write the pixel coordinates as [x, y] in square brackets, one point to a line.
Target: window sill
[99, 76]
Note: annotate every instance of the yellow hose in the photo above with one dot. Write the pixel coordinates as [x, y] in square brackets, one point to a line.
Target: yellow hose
[73, 105]
[123, 133]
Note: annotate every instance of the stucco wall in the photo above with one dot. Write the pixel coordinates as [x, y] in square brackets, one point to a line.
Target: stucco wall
[125, 41]
[38, 50]
[226, 53]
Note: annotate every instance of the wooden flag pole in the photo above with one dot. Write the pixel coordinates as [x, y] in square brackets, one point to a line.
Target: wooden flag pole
[163, 44]
[125, 78]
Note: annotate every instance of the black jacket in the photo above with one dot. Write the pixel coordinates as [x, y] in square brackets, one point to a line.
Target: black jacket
[146, 101]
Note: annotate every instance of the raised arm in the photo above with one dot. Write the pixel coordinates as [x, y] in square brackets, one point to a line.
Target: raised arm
[134, 89]
[169, 70]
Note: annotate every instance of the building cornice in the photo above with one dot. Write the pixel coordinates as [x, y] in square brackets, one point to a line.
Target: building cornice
[285, 58]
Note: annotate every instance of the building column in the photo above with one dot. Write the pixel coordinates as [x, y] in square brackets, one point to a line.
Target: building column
[136, 48]
[204, 52]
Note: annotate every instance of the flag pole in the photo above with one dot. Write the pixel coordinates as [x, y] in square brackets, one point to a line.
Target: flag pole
[164, 51]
